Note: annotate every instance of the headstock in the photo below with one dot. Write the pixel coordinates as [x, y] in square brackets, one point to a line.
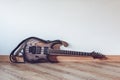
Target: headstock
[97, 55]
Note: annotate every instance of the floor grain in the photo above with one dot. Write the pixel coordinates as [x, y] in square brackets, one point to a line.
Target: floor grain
[81, 70]
[60, 71]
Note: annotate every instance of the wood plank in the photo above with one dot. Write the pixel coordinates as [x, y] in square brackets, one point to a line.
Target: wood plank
[69, 68]
[60, 71]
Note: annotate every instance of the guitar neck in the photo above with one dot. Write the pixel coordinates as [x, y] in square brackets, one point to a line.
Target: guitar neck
[45, 50]
[67, 52]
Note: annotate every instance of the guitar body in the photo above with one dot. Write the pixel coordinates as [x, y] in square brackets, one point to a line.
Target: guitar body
[35, 56]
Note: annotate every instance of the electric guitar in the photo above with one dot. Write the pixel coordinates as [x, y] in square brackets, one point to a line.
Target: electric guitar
[38, 50]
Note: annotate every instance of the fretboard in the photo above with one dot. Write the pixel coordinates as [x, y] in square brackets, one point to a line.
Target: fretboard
[67, 52]
[45, 50]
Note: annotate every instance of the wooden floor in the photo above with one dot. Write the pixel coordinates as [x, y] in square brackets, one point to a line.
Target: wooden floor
[88, 70]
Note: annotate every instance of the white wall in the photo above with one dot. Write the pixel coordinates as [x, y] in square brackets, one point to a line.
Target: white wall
[88, 25]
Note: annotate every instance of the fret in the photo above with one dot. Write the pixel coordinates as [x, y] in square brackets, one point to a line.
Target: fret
[81, 53]
[72, 53]
[77, 53]
[66, 52]
[89, 54]
[84, 54]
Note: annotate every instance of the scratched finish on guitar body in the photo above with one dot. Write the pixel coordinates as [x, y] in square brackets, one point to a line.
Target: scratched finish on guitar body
[61, 71]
